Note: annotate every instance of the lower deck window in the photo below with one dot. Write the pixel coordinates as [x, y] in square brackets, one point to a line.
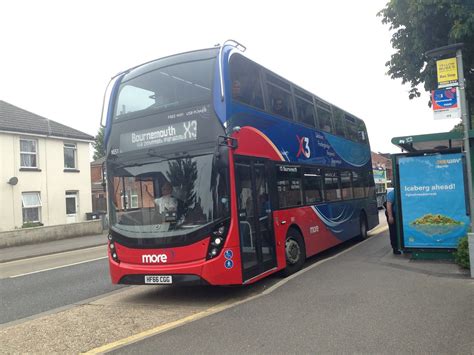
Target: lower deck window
[289, 187]
[313, 185]
[332, 186]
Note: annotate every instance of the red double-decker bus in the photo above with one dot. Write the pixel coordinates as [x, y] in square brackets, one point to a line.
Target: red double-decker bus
[222, 172]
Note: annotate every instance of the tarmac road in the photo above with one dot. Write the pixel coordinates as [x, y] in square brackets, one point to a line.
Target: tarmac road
[365, 300]
[38, 292]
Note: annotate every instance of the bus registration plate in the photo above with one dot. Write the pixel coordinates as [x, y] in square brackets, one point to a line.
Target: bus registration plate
[158, 279]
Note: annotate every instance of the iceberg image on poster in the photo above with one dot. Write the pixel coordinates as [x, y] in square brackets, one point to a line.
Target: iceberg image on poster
[433, 201]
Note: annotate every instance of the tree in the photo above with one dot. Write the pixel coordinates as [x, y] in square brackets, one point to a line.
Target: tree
[99, 148]
[421, 25]
[183, 173]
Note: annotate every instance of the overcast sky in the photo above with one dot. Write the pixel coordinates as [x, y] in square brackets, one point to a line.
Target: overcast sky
[58, 56]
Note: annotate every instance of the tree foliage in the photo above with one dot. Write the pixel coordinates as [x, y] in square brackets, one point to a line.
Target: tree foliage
[183, 173]
[421, 25]
[99, 148]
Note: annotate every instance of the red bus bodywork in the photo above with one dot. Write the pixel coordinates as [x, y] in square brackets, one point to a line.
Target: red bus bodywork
[188, 264]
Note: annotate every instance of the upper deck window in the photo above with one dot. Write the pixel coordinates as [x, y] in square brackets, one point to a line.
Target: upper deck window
[246, 84]
[304, 108]
[324, 118]
[338, 118]
[174, 86]
[279, 96]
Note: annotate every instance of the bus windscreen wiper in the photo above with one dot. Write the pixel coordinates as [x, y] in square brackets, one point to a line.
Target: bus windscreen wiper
[152, 153]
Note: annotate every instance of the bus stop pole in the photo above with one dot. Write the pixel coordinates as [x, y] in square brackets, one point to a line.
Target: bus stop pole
[467, 148]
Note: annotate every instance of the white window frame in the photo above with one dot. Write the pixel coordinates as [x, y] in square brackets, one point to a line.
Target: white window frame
[75, 195]
[133, 199]
[35, 153]
[25, 204]
[73, 147]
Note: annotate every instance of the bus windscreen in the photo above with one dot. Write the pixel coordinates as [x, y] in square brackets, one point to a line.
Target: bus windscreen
[167, 198]
[174, 86]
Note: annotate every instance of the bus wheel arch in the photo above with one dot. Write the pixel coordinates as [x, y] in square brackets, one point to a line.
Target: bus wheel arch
[363, 226]
[295, 251]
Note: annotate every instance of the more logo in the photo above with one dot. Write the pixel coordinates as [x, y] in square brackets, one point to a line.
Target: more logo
[154, 258]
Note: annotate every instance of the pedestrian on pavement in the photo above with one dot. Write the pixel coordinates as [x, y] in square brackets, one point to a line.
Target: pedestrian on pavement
[390, 213]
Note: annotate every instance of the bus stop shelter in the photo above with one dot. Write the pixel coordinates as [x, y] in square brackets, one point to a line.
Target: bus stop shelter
[432, 205]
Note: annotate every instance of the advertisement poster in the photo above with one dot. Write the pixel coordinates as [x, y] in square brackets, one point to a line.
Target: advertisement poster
[379, 176]
[445, 103]
[433, 201]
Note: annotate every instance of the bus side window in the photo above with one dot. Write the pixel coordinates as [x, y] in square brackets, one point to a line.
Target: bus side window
[289, 186]
[246, 85]
[332, 186]
[358, 183]
[324, 120]
[369, 184]
[346, 184]
[339, 126]
[280, 102]
[279, 96]
[313, 185]
[304, 112]
[361, 132]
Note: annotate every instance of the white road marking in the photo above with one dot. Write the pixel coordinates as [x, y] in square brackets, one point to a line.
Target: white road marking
[212, 310]
[57, 267]
[75, 251]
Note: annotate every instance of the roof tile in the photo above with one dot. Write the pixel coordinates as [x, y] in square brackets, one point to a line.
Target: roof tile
[15, 119]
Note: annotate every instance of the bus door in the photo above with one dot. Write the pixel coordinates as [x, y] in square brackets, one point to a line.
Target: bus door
[257, 241]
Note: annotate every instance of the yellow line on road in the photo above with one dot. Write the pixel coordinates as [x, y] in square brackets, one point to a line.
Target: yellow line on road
[216, 309]
[157, 330]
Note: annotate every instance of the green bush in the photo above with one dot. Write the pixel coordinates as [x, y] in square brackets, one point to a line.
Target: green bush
[461, 256]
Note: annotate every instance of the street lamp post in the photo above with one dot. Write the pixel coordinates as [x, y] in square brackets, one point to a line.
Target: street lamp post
[436, 53]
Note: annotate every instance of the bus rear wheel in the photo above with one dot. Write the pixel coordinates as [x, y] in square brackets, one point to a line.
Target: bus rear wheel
[363, 227]
[295, 252]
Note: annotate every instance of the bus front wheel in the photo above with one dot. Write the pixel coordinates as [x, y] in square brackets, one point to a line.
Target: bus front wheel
[295, 252]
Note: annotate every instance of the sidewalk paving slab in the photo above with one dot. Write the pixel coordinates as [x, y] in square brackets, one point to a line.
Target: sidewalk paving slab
[47, 248]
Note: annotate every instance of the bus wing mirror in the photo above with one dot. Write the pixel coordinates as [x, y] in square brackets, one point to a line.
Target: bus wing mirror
[228, 141]
[104, 182]
[222, 156]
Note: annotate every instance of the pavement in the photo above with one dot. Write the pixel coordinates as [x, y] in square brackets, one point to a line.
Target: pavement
[351, 303]
[53, 247]
[364, 300]
[441, 268]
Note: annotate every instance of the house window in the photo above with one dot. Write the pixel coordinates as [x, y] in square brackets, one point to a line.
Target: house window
[69, 156]
[31, 202]
[28, 153]
[133, 199]
[71, 202]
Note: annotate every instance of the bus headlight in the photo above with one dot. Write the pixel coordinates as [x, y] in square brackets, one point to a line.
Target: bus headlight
[218, 237]
[112, 249]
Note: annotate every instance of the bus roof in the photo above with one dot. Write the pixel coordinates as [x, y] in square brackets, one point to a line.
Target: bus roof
[169, 60]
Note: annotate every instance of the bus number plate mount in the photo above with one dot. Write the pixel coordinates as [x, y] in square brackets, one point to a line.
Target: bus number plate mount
[158, 279]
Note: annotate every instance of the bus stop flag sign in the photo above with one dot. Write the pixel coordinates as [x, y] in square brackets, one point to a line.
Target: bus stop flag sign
[445, 103]
[447, 72]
